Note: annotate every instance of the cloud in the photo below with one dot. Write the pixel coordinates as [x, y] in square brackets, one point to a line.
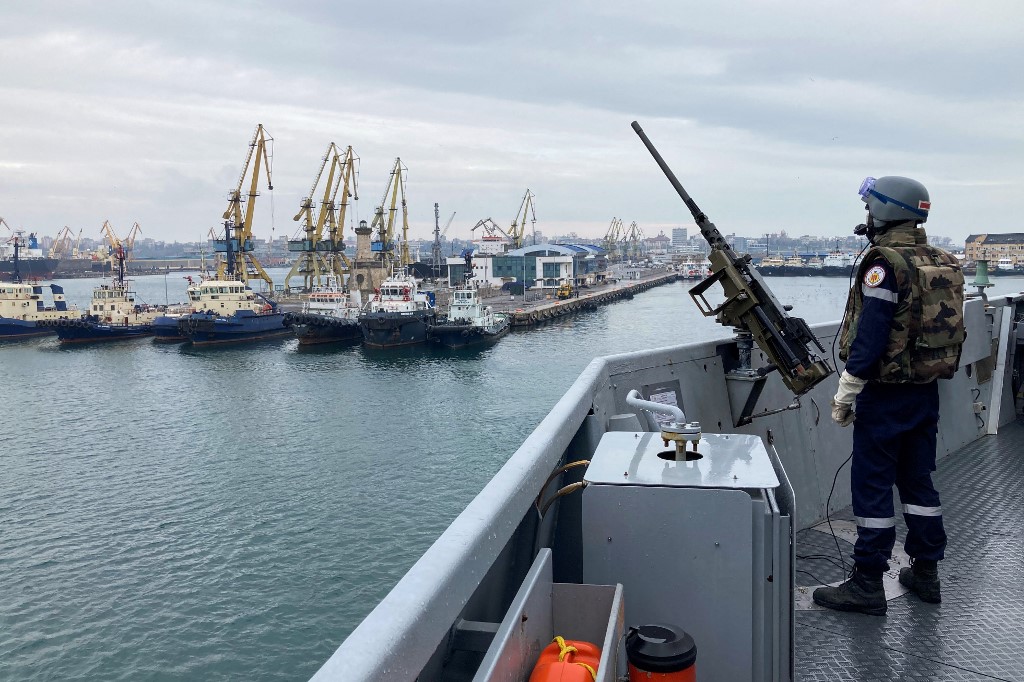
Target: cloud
[769, 112]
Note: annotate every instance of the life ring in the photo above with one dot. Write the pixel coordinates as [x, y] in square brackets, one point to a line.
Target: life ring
[406, 298]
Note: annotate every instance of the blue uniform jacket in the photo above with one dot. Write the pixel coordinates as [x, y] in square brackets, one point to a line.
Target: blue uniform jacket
[878, 286]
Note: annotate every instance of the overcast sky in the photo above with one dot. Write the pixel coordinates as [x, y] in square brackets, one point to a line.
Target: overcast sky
[770, 113]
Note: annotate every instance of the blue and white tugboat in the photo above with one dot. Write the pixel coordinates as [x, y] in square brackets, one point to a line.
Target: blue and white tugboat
[114, 314]
[330, 314]
[23, 311]
[469, 322]
[229, 311]
[398, 314]
[165, 326]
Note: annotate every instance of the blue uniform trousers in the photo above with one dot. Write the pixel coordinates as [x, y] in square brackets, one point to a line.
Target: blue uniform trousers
[894, 443]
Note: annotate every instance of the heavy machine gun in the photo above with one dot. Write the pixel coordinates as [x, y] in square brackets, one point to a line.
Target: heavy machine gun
[751, 308]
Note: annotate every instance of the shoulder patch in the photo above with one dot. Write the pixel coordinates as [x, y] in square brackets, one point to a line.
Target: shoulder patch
[874, 276]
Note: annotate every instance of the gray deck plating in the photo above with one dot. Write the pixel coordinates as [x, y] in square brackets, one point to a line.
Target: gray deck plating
[977, 632]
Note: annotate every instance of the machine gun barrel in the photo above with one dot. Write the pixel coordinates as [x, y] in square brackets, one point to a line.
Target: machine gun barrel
[749, 303]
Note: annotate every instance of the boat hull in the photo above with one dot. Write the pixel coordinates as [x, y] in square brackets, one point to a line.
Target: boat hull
[456, 335]
[312, 329]
[391, 330]
[87, 331]
[14, 330]
[28, 268]
[165, 330]
[204, 329]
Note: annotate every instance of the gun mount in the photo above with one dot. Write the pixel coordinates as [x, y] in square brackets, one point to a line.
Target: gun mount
[751, 308]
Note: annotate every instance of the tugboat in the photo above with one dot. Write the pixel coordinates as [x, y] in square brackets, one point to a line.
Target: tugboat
[113, 314]
[165, 327]
[23, 313]
[469, 322]
[330, 314]
[398, 314]
[228, 311]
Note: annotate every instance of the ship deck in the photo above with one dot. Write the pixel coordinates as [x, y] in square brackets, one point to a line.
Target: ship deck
[977, 632]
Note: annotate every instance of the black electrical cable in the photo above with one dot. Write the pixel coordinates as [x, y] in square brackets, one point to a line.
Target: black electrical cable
[828, 514]
[815, 578]
[820, 557]
[828, 503]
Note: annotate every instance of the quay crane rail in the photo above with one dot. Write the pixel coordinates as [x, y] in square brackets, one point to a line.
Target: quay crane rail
[320, 241]
[239, 262]
[383, 241]
[518, 229]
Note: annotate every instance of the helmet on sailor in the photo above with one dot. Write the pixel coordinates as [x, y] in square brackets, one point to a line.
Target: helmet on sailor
[895, 199]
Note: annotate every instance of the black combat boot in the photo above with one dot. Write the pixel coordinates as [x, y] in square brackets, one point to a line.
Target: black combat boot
[862, 593]
[922, 578]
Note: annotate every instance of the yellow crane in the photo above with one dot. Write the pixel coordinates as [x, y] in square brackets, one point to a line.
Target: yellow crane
[610, 243]
[129, 241]
[61, 244]
[119, 250]
[239, 262]
[384, 235]
[634, 242]
[320, 240]
[518, 229]
[75, 252]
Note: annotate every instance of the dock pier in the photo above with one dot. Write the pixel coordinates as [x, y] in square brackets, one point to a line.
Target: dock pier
[538, 312]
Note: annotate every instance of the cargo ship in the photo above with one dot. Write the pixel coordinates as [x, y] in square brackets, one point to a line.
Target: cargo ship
[469, 322]
[22, 258]
[330, 314]
[228, 311]
[397, 314]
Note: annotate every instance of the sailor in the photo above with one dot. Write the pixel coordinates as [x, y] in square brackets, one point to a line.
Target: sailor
[902, 330]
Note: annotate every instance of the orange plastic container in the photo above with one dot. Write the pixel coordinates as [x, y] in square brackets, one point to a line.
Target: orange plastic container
[567, 661]
[661, 653]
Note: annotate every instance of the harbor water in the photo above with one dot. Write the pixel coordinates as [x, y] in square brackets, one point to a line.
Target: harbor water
[232, 513]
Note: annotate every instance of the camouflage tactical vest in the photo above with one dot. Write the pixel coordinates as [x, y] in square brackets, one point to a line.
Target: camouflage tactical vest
[927, 332]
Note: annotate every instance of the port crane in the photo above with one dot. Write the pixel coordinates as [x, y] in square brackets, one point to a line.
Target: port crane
[518, 229]
[61, 243]
[383, 239]
[76, 251]
[117, 248]
[439, 234]
[239, 262]
[611, 240]
[633, 241]
[320, 240]
[119, 251]
[491, 229]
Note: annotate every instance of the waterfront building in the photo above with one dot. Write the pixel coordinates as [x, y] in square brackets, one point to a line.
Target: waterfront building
[543, 266]
[994, 247]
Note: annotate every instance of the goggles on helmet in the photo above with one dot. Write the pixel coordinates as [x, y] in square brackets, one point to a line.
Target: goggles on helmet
[867, 190]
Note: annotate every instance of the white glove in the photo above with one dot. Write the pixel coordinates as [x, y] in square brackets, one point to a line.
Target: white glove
[842, 404]
[849, 388]
[842, 413]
